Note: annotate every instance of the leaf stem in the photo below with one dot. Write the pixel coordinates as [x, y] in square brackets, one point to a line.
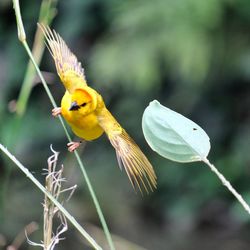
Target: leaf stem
[226, 183]
[60, 207]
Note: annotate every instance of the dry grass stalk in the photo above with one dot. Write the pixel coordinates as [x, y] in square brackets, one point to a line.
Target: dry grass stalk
[53, 183]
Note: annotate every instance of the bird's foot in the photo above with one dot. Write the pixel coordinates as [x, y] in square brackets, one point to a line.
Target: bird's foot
[72, 146]
[56, 111]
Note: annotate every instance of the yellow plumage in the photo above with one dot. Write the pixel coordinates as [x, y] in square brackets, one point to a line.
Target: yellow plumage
[84, 122]
[85, 111]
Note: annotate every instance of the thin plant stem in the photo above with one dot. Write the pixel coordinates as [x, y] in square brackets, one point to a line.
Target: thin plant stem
[43, 189]
[48, 210]
[53, 184]
[91, 190]
[20, 28]
[226, 183]
[47, 13]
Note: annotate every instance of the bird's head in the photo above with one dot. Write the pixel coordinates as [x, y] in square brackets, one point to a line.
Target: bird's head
[83, 101]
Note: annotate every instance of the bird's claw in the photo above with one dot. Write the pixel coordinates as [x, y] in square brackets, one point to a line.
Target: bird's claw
[56, 111]
[72, 146]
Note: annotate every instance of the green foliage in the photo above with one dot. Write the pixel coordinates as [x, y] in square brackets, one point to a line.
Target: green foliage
[156, 36]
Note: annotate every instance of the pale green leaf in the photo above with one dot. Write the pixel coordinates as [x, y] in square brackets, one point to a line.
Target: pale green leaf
[174, 136]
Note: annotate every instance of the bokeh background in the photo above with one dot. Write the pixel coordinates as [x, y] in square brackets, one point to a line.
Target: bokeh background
[191, 55]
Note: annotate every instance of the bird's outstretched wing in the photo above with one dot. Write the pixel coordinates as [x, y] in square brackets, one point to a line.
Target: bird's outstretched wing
[65, 60]
[130, 157]
[135, 163]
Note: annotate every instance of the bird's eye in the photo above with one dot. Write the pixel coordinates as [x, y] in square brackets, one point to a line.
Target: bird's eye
[84, 104]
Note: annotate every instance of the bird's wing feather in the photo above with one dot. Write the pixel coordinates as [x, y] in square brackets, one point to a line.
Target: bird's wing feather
[130, 157]
[135, 163]
[64, 59]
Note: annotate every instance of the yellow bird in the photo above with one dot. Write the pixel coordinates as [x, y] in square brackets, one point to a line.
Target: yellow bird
[85, 111]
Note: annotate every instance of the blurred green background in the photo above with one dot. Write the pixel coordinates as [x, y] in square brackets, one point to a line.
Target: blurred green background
[191, 55]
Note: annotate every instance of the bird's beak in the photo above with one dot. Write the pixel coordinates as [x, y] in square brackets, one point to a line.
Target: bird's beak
[74, 106]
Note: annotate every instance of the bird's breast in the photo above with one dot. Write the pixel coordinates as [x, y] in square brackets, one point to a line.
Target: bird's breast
[86, 127]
